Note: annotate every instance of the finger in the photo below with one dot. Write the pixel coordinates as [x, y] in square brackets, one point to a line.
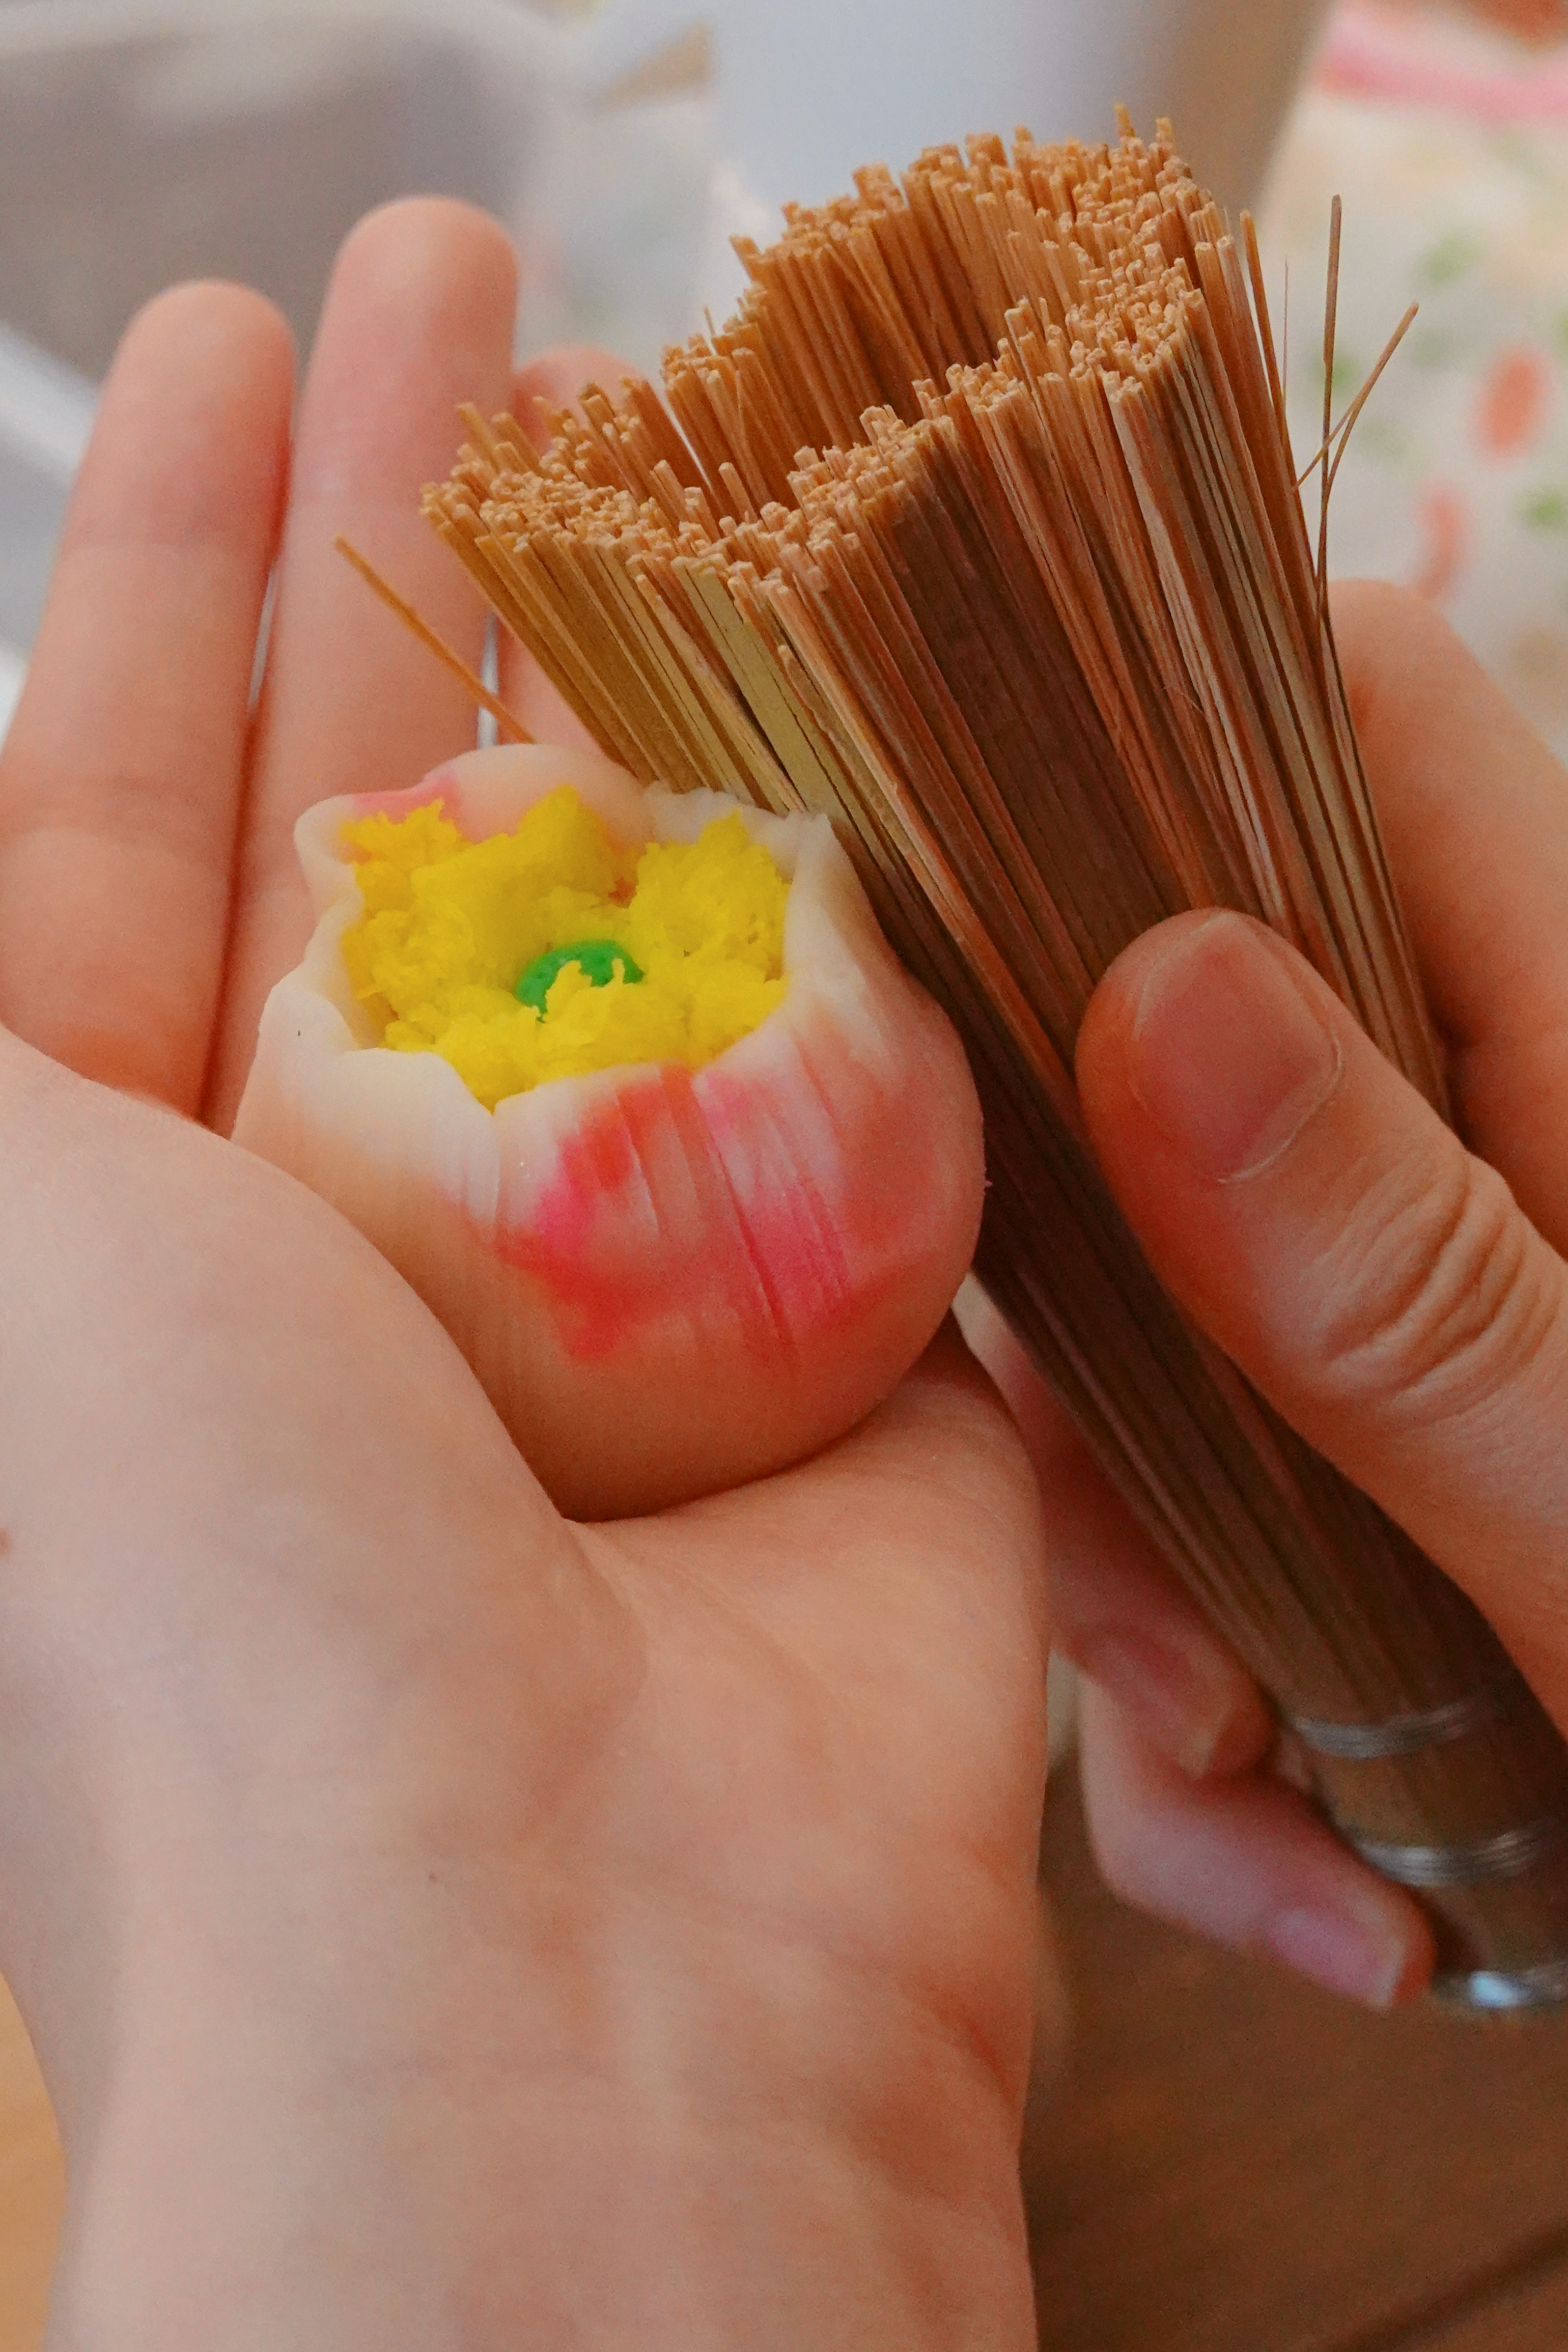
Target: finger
[1375, 1281]
[1475, 812]
[1118, 1611]
[1247, 1864]
[121, 772]
[550, 383]
[418, 318]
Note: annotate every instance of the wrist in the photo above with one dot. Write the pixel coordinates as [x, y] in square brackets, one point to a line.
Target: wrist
[535, 2115]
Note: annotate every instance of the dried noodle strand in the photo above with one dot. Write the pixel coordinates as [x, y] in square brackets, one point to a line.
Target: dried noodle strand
[510, 727]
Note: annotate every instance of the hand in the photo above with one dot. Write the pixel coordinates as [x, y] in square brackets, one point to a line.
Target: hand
[1401, 1302]
[439, 1924]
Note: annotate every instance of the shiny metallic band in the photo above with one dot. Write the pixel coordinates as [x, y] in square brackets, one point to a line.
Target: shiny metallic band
[1508, 1855]
[1492, 1989]
[1408, 1735]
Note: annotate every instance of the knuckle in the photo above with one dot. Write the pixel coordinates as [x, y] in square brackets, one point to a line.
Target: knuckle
[1449, 1304]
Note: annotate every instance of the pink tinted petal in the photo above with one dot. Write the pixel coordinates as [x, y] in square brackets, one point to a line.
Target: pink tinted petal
[1514, 401]
[1444, 518]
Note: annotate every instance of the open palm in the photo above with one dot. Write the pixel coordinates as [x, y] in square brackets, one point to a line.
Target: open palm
[536, 1888]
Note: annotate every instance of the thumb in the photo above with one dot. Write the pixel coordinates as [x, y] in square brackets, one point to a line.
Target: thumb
[1373, 1279]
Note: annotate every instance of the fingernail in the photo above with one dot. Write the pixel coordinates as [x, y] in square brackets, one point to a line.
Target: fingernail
[1173, 1701]
[1230, 1056]
[1360, 1959]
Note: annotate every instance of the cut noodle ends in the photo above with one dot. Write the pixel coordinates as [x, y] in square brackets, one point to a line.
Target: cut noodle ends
[977, 530]
[667, 1281]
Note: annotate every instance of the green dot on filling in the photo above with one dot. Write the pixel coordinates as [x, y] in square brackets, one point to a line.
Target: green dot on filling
[596, 958]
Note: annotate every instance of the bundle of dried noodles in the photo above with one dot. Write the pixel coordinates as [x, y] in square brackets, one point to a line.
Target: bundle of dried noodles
[978, 529]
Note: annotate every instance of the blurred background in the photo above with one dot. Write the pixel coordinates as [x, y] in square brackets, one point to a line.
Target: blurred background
[624, 141]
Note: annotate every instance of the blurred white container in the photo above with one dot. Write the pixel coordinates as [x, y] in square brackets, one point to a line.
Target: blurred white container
[146, 140]
[806, 92]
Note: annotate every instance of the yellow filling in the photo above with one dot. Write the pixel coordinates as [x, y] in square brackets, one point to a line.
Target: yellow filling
[450, 927]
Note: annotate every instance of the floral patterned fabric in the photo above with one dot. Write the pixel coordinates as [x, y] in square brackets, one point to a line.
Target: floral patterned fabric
[1450, 147]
